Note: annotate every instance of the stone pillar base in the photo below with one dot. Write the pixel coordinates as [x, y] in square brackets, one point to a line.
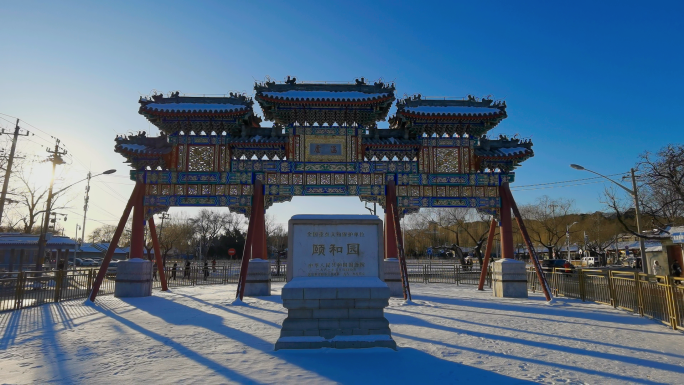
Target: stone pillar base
[133, 278]
[258, 282]
[509, 279]
[342, 313]
[392, 279]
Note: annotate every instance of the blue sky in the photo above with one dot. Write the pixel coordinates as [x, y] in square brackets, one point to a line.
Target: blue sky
[594, 83]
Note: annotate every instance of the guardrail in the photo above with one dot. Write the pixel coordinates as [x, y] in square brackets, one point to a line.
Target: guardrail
[453, 273]
[658, 297]
[24, 289]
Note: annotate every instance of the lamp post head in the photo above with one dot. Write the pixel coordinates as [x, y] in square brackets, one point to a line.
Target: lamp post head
[577, 167]
[112, 171]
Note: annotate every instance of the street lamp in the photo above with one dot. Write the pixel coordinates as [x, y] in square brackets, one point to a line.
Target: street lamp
[567, 236]
[87, 197]
[635, 194]
[42, 243]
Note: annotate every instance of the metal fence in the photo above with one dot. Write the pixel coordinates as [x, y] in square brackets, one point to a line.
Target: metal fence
[445, 272]
[657, 297]
[19, 290]
[30, 288]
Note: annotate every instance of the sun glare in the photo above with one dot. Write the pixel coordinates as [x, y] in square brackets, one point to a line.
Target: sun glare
[41, 173]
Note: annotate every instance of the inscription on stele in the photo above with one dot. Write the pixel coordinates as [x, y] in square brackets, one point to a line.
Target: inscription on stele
[335, 251]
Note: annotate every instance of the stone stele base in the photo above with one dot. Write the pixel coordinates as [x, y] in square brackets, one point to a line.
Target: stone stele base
[339, 313]
[133, 278]
[392, 276]
[258, 282]
[509, 279]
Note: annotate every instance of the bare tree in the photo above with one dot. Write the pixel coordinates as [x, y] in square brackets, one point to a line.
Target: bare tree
[175, 235]
[276, 235]
[660, 185]
[547, 220]
[32, 196]
[461, 221]
[209, 225]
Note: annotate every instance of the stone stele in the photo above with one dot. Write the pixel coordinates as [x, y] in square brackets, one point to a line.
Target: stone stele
[335, 295]
[133, 278]
[509, 279]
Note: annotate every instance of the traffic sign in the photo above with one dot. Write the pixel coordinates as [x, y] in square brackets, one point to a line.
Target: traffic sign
[429, 250]
[231, 252]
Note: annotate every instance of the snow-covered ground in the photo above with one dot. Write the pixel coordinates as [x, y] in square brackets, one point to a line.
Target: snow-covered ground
[449, 334]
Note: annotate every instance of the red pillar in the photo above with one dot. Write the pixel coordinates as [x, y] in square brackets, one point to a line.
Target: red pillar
[259, 244]
[138, 228]
[391, 250]
[506, 230]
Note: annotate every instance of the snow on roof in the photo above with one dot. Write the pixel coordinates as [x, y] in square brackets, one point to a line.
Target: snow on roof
[134, 147]
[335, 216]
[299, 94]
[512, 150]
[194, 107]
[452, 110]
[29, 240]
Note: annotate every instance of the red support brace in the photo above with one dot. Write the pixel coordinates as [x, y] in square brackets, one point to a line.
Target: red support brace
[135, 195]
[253, 229]
[488, 253]
[157, 254]
[528, 243]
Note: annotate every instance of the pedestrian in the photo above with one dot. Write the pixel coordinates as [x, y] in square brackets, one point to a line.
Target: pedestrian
[676, 269]
[213, 265]
[186, 272]
[657, 269]
[173, 271]
[206, 270]
[568, 266]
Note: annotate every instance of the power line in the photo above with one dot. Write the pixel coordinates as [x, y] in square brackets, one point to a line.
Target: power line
[568, 185]
[567, 181]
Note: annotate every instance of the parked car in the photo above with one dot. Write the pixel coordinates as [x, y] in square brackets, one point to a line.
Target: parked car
[78, 261]
[88, 262]
[550, 264]
[112, 266]
[589, 261]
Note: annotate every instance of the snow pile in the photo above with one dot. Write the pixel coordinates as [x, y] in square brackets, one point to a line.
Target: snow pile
[450, 334]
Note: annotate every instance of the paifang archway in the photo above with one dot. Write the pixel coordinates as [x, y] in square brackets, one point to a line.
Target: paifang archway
[323, 140]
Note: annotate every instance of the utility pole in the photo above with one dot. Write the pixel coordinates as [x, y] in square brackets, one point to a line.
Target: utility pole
[85, 209]
[42, 243]
[8, 172]
[642, 247]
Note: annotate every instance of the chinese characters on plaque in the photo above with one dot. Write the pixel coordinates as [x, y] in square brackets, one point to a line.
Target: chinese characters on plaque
[338, 250]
